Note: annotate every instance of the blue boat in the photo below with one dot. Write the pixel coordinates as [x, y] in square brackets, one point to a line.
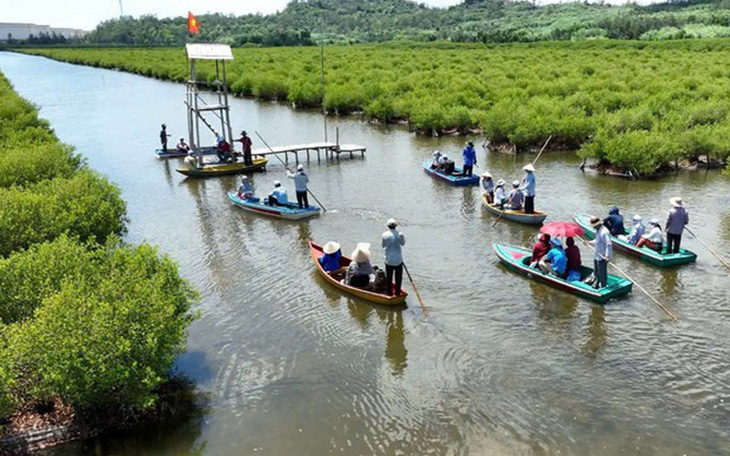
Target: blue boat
[289, 212]
[455, 179]
[174, 153]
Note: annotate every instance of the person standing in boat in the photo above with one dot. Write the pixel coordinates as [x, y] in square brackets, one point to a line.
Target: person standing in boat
[487, 185]
[247, 144]
[163, 137]
[393, 242]
[278, 196]
[470, 159]
[516, 197]
[603, 252]
[529, 188]
[245, 190]
[677, 219]
[300, 184]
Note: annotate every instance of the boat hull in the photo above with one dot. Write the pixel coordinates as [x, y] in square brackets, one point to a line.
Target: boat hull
[650, 256]
[517, 260]
[456, 181]
[316, 252]
[288, 212]
[516, 216]
[173, 153]
[224, 169]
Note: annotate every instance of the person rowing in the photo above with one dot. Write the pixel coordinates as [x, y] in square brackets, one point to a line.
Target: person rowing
[300, 184]
[163, 137]
[529, 188]
[677, 219]
[246, 146]
[470, 159]
[603, 253]
[393, 242]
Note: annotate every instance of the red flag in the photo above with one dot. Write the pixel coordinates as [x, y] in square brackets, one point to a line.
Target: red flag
[193, 24]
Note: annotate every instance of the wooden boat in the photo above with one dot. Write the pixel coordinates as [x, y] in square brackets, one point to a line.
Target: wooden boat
[223, 169]
[651, 256]
[174, 153]
[455, 179]
[377, 298]
[516, 216]
[517, 259]
[289, 212]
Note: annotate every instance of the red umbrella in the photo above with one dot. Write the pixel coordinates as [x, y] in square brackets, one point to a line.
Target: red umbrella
[562, 229]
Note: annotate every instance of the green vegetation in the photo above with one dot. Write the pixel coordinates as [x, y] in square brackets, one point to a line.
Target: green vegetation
[487, 21]
[635, 105]
[83, 316]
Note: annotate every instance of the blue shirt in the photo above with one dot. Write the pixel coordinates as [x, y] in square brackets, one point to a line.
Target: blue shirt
[330, 262]
[470, 156]
[530, 184]
[280, 194]
[392, 242]
[636, 232]
[558, 260]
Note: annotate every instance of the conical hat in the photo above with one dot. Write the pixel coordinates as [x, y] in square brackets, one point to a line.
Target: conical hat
[331, 247]
[361, 252]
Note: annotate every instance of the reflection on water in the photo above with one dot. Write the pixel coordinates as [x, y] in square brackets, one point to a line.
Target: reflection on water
[504, 365]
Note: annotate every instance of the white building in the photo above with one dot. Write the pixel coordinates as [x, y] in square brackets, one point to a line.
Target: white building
[18, 31]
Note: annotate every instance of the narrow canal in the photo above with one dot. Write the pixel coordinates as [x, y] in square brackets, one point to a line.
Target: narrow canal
[503, 366]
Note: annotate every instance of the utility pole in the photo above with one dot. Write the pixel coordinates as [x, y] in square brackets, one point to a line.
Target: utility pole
[121, 9]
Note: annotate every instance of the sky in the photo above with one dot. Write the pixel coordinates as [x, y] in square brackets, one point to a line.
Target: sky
[86, 14]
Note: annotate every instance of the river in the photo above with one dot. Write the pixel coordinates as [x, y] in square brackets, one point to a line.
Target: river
[502, 366]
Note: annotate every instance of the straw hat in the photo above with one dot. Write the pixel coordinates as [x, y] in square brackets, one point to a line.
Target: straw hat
[529, 168]
[676, 202]
[486, 174]
[595, 222]
[392, 223]
[500, 183]
[361, 252]
[515, 184]
[331, 247]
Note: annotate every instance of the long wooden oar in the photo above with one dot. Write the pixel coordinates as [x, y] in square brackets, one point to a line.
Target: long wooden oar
[661, 306]
[287, 168]
[709, 248]
[413, 284]
[533, 164]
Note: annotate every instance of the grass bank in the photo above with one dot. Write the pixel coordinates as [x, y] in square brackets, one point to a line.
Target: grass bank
[633, 105]
[87, 322]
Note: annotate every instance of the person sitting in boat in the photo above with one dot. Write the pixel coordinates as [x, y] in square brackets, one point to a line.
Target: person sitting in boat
[330, 261]
[555, 262]
[245, 190]
[182, 147]
[655, 239]
[223, 150]
[637, 231]
[572, 252]
[447, 166]
[615, 222]
[500, 195]
[516, 197]
[278, 196]
[540, 249]
[436, 160]
[487, 185]
[358, 273]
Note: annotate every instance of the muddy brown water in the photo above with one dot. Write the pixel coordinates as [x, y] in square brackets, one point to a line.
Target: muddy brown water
[503, 366]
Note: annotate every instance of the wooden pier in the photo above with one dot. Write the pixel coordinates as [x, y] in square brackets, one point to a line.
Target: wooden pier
[331, 151]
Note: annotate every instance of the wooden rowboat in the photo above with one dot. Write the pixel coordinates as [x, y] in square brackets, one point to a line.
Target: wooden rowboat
[517, 259]
[455, 179]
[377, 298]
[516, 216]
[289, 212]
[223, 169]
[174, 153]
[651, 256]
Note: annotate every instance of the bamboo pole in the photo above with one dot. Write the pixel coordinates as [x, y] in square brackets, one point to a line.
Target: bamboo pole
[413, 284]
[709, 248]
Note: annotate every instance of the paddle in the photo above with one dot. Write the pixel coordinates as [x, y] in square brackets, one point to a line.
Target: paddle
[631, 280]
[533, 164]
[413, 284]
[287, 168]
[709, 248]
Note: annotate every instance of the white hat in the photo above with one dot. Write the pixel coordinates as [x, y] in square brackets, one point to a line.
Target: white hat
[331, 247]
[300, 168]
[529, 167]
[437, 152]
[361, 252]
[445, 156]
[515, 183]
[276, 183]
[500, 183]
[392, 222]
[244, 178]
[676, 201]
[486, 174]
[637, 218]
[654, 222]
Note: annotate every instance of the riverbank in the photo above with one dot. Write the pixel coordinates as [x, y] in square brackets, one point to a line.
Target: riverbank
[89, 325]
[635, 105]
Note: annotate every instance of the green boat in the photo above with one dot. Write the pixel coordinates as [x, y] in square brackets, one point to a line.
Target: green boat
[518, 259]
[662, 259]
